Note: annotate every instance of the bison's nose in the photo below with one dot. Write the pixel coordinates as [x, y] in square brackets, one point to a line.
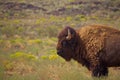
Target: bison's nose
[59, 51]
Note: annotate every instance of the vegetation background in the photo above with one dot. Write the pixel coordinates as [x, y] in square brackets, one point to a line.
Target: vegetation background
[28, 36]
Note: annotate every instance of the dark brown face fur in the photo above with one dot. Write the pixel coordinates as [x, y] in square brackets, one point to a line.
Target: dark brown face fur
[65, 47]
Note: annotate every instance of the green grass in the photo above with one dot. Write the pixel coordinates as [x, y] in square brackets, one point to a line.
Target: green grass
[28, 40]
[47, 66]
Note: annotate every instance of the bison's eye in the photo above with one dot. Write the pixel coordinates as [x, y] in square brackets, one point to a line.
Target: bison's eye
[64, 43]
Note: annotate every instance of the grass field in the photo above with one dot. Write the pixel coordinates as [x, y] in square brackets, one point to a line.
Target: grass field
[28, 37]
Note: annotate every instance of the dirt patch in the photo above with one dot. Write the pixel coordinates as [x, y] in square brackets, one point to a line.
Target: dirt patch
[20, 6]
[86, 8]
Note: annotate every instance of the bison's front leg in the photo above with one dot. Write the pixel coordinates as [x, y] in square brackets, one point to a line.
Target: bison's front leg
[97, 67]
[99, 71]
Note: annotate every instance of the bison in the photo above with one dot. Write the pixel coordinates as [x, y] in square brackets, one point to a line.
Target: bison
[95, 46]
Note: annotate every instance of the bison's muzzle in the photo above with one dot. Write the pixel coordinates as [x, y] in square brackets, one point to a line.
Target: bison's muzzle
[60, 52]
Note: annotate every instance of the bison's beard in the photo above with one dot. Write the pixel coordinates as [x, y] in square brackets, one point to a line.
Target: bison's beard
[66, 56]
[67, 59]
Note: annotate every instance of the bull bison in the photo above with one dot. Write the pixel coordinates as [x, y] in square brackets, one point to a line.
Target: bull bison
[95, 46]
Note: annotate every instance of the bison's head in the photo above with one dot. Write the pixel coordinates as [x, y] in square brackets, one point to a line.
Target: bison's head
[66, 43]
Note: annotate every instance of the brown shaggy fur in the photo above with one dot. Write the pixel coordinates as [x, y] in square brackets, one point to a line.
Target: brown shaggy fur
[96, 47]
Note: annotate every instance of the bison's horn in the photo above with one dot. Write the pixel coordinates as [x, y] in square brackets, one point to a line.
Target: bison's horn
[68, 37]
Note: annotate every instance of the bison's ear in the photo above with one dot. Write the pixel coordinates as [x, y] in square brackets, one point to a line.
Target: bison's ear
[69, 35]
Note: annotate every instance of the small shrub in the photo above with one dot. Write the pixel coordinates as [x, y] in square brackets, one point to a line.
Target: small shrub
[17, 40]
[8, 65]
[44, 57]
[53, 57]
[51, 51]
[80, 18]
[23, 56]
[1, 41]
[16, 21]
[33, 41]
[69, 18]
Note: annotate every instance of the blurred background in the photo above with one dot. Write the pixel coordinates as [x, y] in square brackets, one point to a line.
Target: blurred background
[28, 36]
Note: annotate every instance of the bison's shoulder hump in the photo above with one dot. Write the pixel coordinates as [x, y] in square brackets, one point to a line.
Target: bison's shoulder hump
[94, 36]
